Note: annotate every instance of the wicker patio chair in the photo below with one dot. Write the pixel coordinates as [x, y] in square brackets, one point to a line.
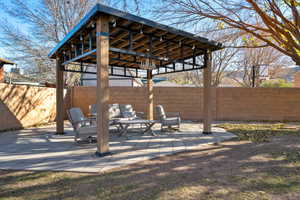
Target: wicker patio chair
[93, 110]
[171, 121]
[84, 128]
[127, 111]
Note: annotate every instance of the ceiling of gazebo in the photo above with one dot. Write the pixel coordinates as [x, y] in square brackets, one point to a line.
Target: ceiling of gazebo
[132, 41]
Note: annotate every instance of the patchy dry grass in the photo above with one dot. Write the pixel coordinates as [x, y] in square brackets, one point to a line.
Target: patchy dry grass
[233, 170]
[258, 132]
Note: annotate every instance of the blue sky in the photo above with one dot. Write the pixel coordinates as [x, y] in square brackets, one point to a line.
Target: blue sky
[145, 7]
[22, 27]
[4, 53]
[3, 15]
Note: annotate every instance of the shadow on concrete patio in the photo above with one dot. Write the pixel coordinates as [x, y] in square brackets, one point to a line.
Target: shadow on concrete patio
[41, 149]
[231, 170]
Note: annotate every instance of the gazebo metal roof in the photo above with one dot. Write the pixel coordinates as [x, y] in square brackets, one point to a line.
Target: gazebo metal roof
[133, 39]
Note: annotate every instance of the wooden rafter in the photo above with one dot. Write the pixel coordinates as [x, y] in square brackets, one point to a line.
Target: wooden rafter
[132, 39]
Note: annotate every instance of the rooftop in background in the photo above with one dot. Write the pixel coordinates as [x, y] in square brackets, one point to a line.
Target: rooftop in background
[132, 39]
[5, 62]
[172, 84]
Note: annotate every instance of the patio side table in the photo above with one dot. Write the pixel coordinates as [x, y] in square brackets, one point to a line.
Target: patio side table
[124, 125]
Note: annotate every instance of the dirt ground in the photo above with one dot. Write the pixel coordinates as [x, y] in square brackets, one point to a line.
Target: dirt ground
[232, 170]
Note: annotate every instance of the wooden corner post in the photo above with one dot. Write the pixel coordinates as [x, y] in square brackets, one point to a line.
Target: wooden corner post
[150, 95]
[207, 93]
[102, 35]
[59, 97]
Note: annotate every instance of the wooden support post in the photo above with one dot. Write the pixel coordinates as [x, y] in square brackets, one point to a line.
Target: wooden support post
[181, 55]
[90, 41]
[207, 97]
[194, 58]
[102, 35]
[82, 44]
[59, 97]
[150, 96]
[130, 40]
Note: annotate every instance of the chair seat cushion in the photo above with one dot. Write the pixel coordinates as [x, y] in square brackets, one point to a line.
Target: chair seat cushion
[116, 120]
[127, 110]
[114, 111]
[171, 121]
[127, 114]
[91, 130]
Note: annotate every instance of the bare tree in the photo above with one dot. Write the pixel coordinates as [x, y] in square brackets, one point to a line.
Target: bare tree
[222, 60]
[238, 64]
[45, 24]
[256, 62]
[39, 26]
[274, 23]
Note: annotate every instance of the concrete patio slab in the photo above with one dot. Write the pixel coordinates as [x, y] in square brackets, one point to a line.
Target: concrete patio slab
[41, 149]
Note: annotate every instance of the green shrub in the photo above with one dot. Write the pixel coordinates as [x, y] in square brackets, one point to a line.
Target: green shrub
[278, 83]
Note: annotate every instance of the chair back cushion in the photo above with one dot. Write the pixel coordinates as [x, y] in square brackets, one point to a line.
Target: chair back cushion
[114, 111]
[160, 112]
[75, 115]
[93, 109]
[127, 111]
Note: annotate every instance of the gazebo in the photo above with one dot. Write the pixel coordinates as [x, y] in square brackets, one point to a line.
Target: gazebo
[122, 44]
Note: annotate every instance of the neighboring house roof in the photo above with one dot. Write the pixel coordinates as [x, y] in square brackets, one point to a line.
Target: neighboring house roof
[4, 61]
[229, 82]
[171, 84]
[155, 79]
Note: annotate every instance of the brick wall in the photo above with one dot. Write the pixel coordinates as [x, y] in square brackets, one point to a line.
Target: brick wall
[187, 101]
[23, 106]
[229, 103]
[84, 96]
[258, 104]
[297, 79]
[183, 100]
